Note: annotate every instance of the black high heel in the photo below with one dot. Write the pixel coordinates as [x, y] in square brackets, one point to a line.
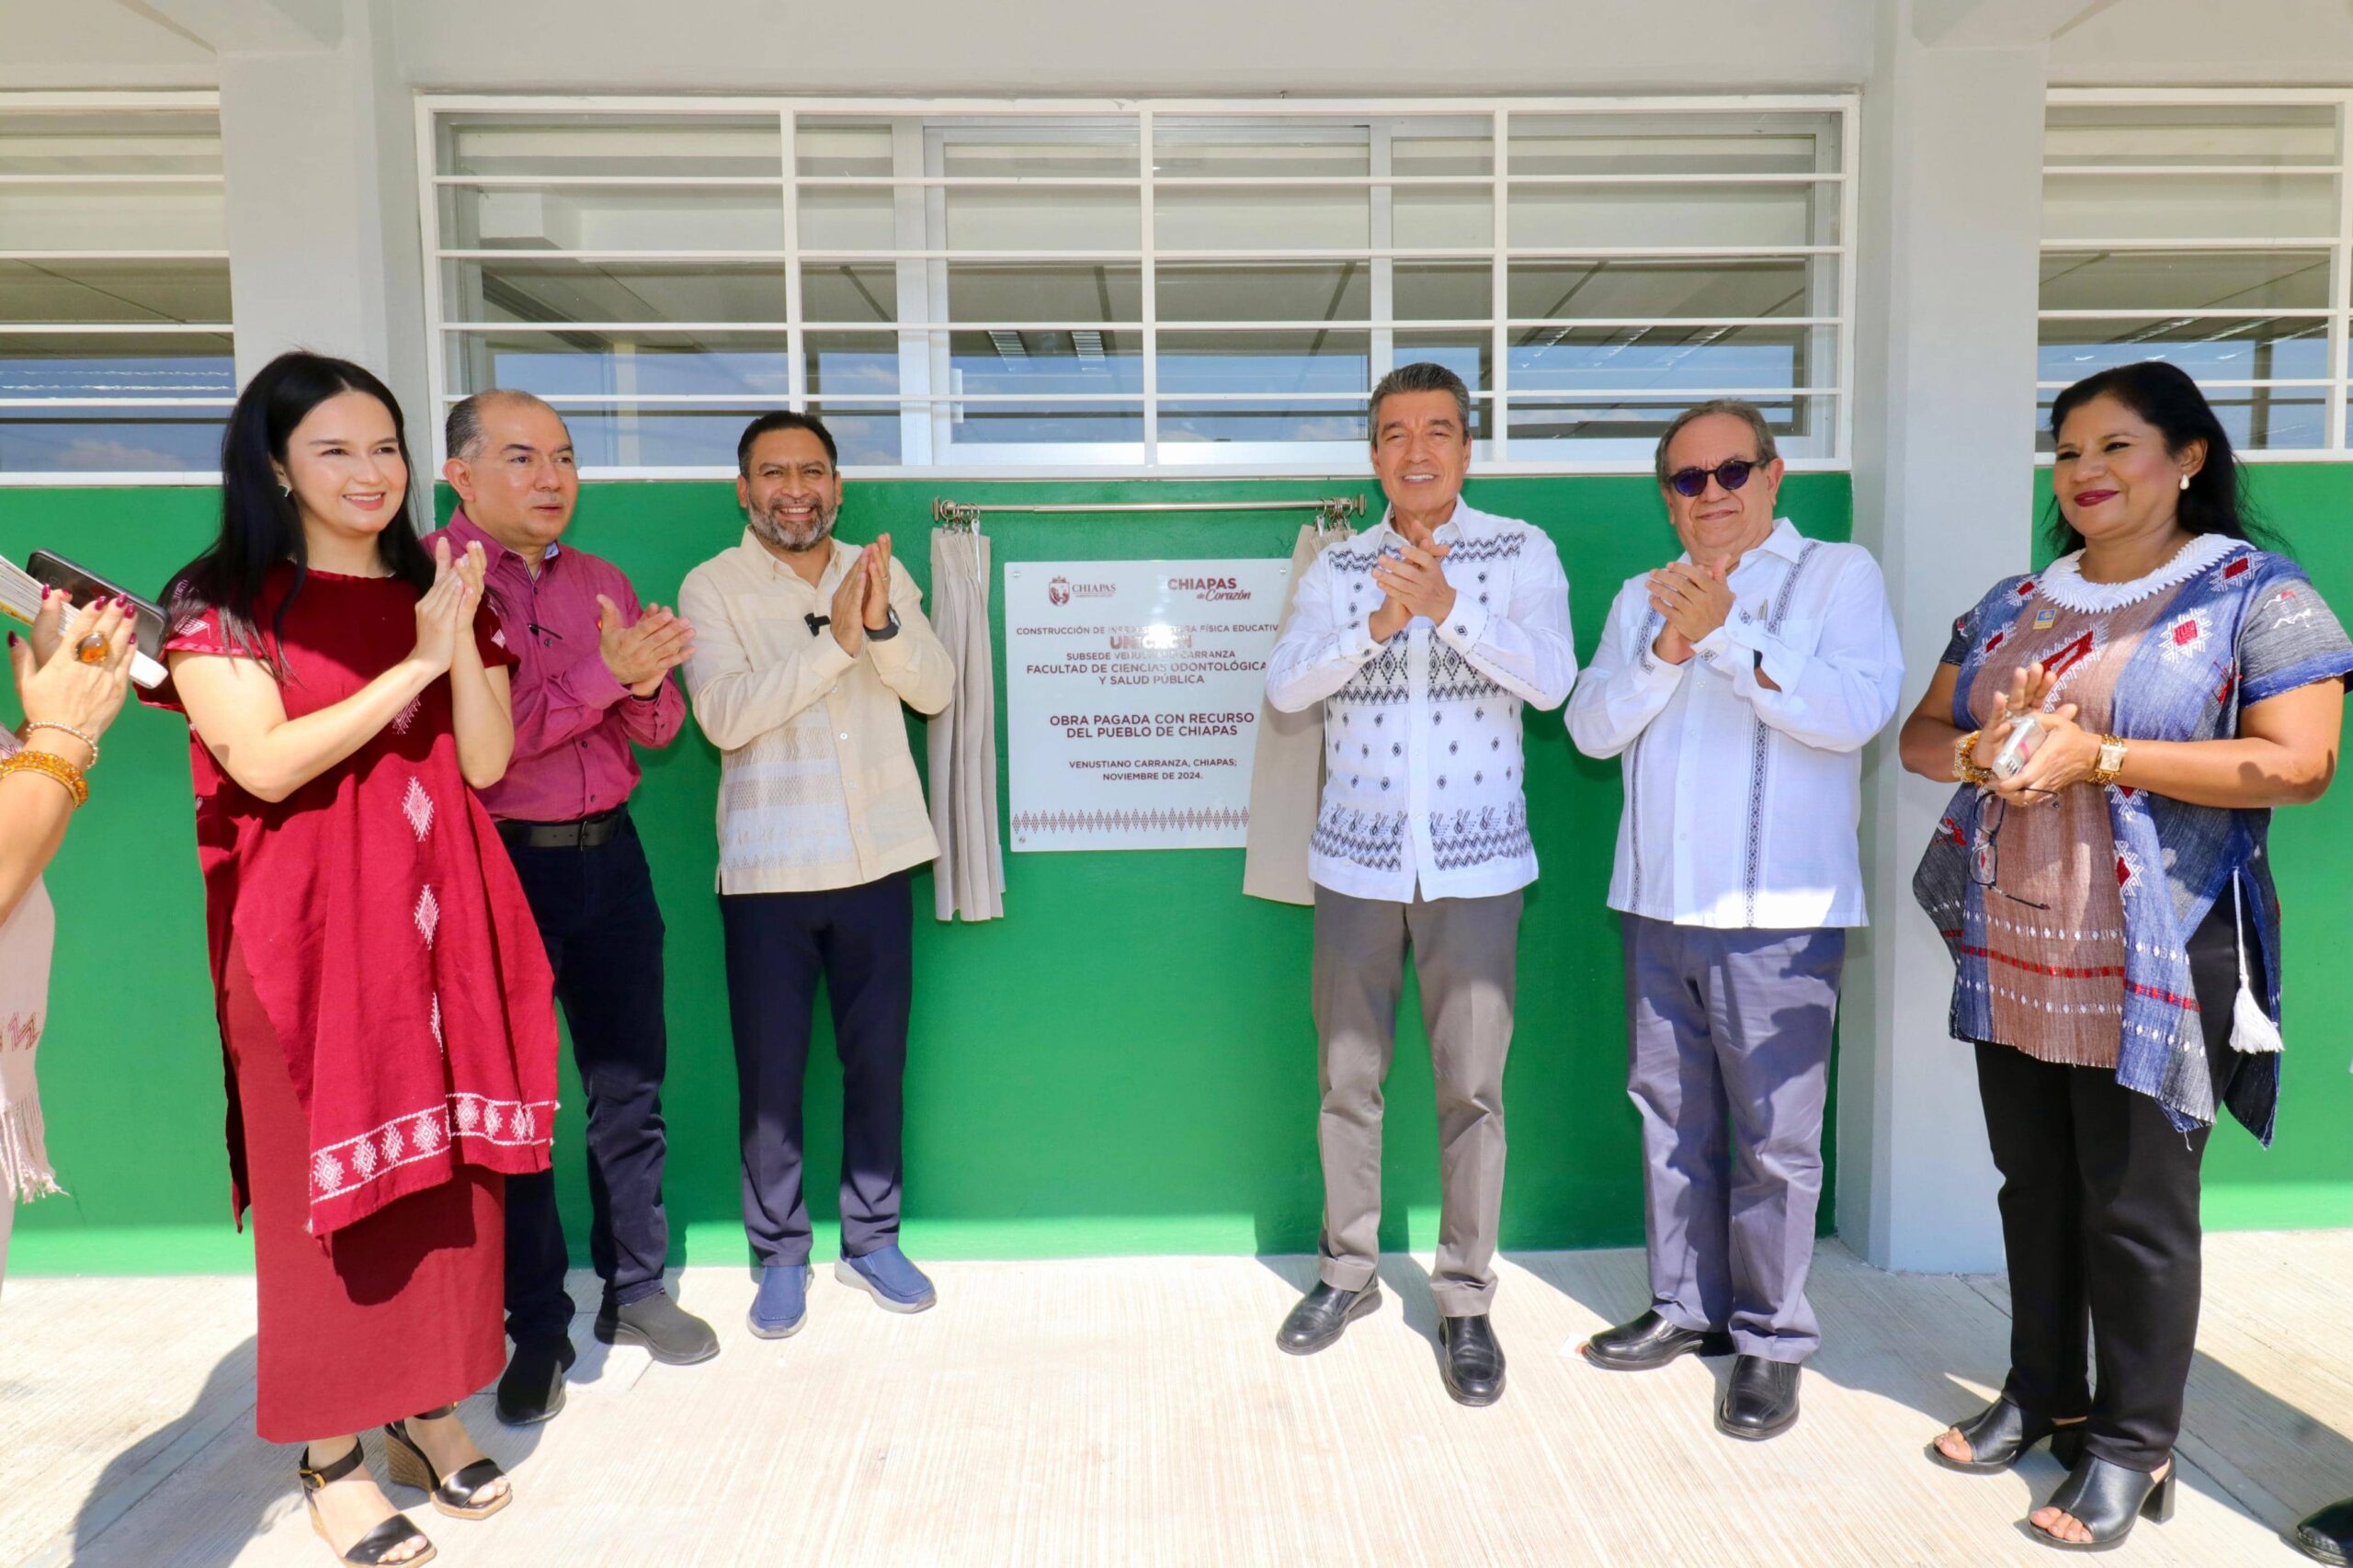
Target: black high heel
[370, 1549]
[2000, 1435]
[2107, 1500]
[459, 1496]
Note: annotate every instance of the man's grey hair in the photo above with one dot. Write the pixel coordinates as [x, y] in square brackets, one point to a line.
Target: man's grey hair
[463, 436]
[1739, 409]
[1422, 375]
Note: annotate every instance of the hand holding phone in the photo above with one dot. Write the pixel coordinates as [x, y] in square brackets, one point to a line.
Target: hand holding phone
[2026, 734]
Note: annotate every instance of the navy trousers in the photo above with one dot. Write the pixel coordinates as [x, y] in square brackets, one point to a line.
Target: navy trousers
[603, 931]
[861, 939]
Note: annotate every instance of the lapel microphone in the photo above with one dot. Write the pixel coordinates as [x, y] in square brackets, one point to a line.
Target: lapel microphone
[817, 623]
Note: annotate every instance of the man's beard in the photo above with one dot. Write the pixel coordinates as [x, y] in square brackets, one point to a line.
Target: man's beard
[780, 535]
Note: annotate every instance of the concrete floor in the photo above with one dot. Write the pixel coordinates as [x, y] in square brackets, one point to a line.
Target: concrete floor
[1135, 1411]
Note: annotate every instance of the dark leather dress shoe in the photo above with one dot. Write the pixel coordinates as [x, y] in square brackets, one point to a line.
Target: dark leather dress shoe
[532, 1390]
[1471, 1361]
[1761, 1401]
[1322, 1315]
[1651, 1341]
[672, 1335]
[2327, 1536]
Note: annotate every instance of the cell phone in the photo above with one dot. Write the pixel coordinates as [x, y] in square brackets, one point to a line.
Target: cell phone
[2017, 746]
[82, 587]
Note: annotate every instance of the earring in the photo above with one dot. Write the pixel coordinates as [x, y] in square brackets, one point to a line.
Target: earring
[286, 492]
[2185, 482]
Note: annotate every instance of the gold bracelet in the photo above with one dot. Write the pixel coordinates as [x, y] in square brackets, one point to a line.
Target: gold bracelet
[66, 730]
[1965, 763]
[2109, 766]
[49, 764]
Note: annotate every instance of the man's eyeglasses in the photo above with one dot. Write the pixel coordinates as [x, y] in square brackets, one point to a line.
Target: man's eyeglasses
[1731, 474]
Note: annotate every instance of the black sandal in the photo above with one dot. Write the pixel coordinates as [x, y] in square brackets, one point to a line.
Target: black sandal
[372, 1549]
[2107, 1500]
[456, 1497]
[2000, 1435]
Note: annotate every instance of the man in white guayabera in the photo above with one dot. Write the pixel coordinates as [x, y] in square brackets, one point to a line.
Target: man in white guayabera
[1422, 638]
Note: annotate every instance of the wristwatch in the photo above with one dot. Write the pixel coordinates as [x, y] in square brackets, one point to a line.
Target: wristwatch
[2111, 762]
[890, 627]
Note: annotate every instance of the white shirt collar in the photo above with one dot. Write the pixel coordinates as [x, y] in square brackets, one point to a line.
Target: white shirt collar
[2062, 582]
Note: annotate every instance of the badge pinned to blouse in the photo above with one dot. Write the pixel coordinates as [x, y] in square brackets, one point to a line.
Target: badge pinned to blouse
[2045, 618]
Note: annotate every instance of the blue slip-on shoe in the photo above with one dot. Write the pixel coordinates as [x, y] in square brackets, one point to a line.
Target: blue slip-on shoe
[782, 1305]
[896, 1285]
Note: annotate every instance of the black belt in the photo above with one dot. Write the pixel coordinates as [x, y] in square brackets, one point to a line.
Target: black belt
[588, 833]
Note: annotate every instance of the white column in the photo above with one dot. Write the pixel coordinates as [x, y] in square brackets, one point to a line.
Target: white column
[319, 147]
[1952, 169]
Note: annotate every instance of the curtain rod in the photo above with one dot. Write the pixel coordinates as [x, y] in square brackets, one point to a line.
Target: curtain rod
[1329, 510]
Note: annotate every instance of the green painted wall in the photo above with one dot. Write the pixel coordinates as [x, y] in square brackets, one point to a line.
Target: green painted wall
[2305, 1178]
[1123, 1064]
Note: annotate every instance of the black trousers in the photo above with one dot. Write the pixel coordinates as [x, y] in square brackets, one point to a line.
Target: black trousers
[2099, 1221]
[861, 939]
[603, 931]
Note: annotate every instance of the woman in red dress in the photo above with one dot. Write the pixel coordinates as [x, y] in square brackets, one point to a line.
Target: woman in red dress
[384, 999]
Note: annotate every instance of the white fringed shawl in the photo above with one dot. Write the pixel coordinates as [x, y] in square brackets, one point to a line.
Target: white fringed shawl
[25, 942]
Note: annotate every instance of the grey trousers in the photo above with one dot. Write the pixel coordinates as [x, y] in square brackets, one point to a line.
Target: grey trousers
[1728, 1060]
[1466, 955]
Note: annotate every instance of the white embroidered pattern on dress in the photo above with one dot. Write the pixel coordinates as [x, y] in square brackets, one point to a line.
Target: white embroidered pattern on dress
[346, 1166]
[408, 716]
[418, 806]
[2063, 582]
[427, 914]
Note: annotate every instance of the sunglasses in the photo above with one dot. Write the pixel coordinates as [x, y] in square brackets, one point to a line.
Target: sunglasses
[1731, 474]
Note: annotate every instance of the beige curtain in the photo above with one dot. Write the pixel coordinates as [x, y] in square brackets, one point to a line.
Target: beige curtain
[1287, 771]
[968, 877]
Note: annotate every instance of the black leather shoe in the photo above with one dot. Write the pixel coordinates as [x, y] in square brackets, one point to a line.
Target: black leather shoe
[532, 1387]
[2107, 1500]
[1471, 1361]
[1999, 1435]
[2327, 1536]
[674, 1336]
[1761, 1401]
[1650, 1341]
[1322, 1315]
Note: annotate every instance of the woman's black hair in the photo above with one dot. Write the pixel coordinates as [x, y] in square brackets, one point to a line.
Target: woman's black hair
[2166, 396]
[260, 526]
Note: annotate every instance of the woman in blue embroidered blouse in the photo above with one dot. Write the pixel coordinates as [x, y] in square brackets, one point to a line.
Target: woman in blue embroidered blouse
[2111, 916]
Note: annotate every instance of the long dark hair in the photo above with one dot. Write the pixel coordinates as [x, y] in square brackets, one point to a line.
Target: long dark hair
[260, 526]
[2166, 396]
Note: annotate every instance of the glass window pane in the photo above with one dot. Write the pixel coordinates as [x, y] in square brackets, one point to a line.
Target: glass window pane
[1442, 147]
[658, 438]
[1641, 287]
[1084, 149]
[2125, 134]
[2185, 281]
[1668, 358]
[1468, 353]
[2264, 349]
[1441, 290]
[1584, 216]
[112, 217]
[606, 144]
[1438, 217]
[595, 364]
[1228, 149]
[2256, 419]
[1276, 218]
[585, 218]
[1801, 425]
[68, 292]
[128, 142]
[843, 291]
[1043, 218]
[1684, 143]
[1085, 362]
[2192, 207]
[840, 147]
[1020, 291]
[1184, 424]
[1273, 290]
[523, 290]
[91, 440]
[1043, 423]
[848, 217]
[855, 364]
[868, 436]
[116, 364]
[1265, 362]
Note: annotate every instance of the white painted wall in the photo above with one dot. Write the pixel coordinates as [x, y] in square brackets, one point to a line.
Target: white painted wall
[2208, 44]
[51, 44]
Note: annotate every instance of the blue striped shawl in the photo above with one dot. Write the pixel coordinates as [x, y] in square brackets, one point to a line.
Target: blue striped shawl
[2248, 628]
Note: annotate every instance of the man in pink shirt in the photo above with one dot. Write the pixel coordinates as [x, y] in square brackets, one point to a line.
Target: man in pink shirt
[595, 681]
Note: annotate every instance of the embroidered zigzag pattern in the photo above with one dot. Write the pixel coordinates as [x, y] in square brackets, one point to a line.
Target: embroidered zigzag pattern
[1376, 839]
[1477, 836]
[1383, 679]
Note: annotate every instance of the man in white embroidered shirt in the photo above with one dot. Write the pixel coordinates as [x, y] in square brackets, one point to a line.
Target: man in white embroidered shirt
[1739, 683]
[1422, 638]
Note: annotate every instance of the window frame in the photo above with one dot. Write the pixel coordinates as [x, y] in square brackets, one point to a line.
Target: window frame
[2337, 311]
[100, 102]
[1153, 458]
